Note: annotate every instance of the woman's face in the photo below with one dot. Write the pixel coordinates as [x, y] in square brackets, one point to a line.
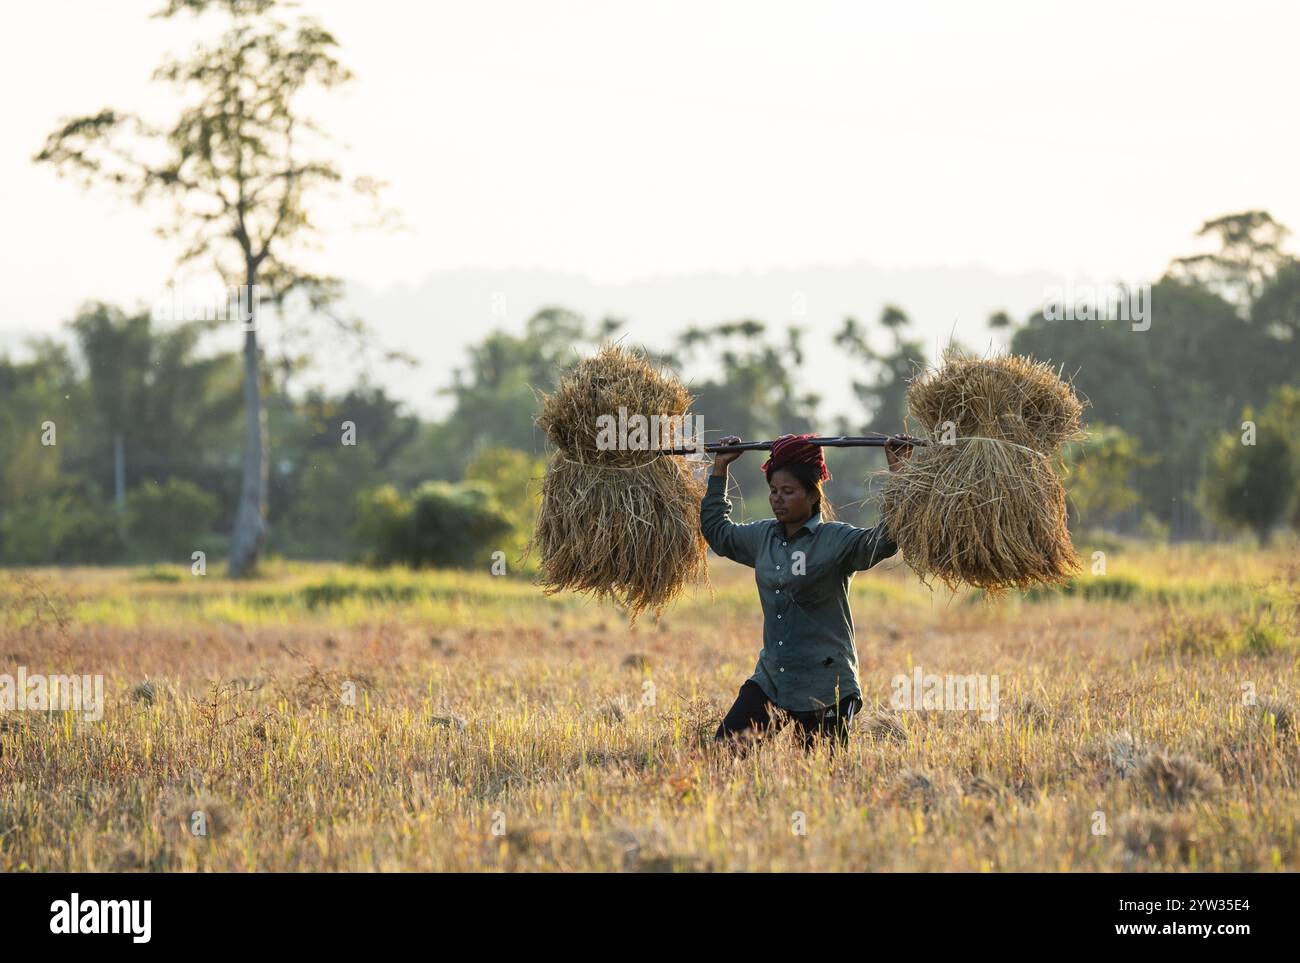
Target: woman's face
[790, 501]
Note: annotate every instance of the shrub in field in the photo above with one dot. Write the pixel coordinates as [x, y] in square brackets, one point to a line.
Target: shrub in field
[440, 525]
[169, 520]
[68, 525]
[1253, 485]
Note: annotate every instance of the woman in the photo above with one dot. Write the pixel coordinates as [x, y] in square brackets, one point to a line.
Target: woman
[803, 563]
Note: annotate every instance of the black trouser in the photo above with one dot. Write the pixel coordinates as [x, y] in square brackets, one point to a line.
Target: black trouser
[753, 715]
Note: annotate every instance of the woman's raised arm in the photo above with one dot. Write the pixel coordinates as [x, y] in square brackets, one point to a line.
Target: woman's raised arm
[740, 543]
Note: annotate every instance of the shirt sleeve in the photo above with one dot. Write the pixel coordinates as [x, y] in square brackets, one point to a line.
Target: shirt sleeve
[864, 547]
[740, 543]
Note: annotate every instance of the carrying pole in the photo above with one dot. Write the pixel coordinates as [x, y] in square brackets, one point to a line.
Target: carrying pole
[832, 441]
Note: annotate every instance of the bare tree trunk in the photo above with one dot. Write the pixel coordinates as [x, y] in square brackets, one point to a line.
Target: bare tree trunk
[119, 473]
[250, 520]
[119, 487]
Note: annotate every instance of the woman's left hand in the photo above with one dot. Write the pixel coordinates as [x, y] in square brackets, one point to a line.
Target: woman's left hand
[897, 450]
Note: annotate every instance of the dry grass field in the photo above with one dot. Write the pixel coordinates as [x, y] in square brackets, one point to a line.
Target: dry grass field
[331, 718]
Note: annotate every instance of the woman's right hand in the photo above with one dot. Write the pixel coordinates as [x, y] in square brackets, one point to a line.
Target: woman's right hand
[724, 458]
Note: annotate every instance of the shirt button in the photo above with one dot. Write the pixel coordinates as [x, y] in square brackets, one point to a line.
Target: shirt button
[783, 543]
[778, 591]
[780, 642]
[778, 616]
[782, 668]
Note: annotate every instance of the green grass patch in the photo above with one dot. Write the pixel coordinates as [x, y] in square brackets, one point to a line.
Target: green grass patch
[1260, 632]
[158, 573]
[1135, 590]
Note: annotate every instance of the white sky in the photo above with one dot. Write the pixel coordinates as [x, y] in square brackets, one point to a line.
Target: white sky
[622, 140]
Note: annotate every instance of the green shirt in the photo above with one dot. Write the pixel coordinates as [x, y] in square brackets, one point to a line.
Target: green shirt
[808, 660]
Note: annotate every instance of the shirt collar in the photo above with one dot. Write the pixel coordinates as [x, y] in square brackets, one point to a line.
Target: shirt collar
[814, 520]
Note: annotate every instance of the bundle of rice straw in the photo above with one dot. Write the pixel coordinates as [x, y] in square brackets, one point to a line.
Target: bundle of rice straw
[622, 524]
[982, 503]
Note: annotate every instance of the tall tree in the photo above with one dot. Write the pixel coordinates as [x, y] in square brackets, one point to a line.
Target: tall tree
[884, 392]
[495, 394]
[1173, 386]
[753, 386]
[1277, 313]
[153, 407]
[241, 165]
[1249, 255]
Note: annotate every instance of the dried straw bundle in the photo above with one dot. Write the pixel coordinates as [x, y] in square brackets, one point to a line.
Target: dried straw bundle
[982, 503]
[623, 524]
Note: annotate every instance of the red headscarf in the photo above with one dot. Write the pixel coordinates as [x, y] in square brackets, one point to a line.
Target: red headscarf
[795, 448]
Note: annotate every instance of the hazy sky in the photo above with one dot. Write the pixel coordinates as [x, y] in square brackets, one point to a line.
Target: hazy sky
[620, 141]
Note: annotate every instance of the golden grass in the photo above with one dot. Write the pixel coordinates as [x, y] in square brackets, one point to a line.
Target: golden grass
[517, 732]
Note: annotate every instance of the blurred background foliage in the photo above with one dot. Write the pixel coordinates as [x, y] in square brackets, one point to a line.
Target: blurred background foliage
[146, 464]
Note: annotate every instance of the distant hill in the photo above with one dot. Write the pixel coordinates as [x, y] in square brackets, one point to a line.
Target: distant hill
[449, 310]
[437, 319]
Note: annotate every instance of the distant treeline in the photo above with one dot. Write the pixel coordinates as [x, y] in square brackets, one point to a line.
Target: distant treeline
[123, 441]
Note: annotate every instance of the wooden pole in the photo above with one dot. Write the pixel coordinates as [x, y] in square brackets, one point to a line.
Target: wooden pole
[830, 441]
